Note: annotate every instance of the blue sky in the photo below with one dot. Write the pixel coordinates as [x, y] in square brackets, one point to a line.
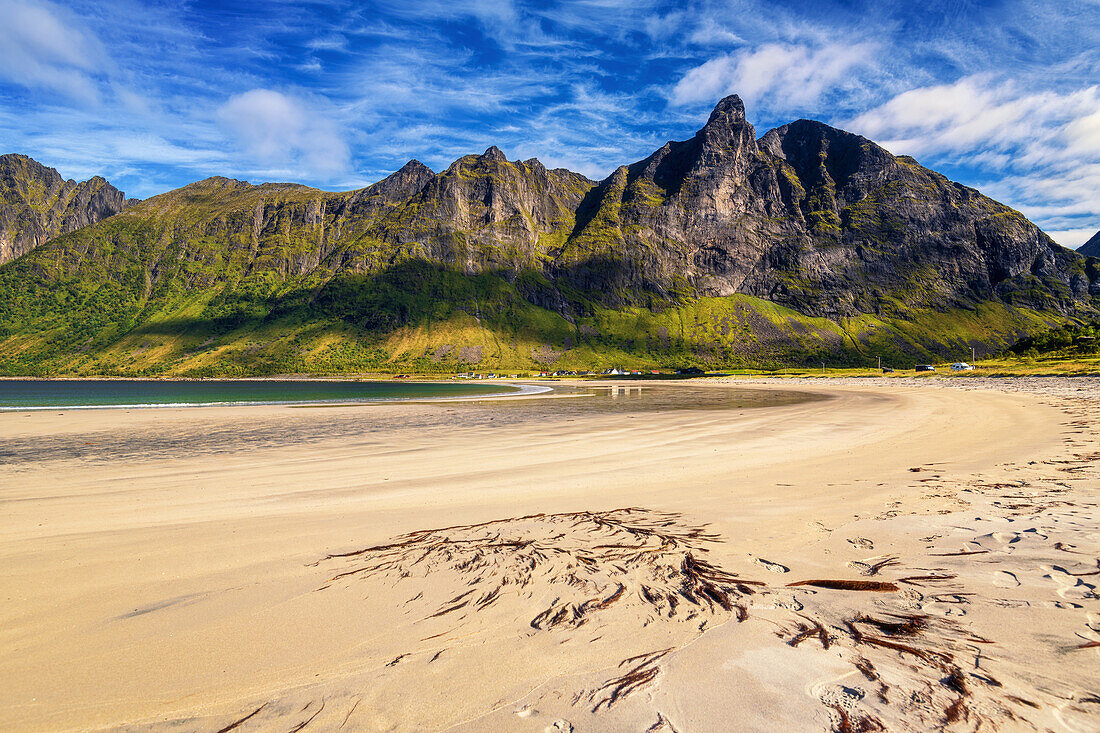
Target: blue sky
[1003, 96]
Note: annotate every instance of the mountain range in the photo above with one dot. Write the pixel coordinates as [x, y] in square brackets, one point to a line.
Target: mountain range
[806, 244]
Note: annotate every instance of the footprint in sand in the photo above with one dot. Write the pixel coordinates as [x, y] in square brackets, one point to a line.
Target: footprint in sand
[1093, 621]
[1007, 538]
[841, 698]
[1005, 579]
[871, 565]
[768, 565]
[862, 543]
[1070, 587]
[559, 726]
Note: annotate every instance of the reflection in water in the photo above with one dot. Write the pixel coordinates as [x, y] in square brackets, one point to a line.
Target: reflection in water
[243, 429]
[575, 400]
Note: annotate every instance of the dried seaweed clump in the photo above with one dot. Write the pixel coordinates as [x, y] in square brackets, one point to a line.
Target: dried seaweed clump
[573, 566]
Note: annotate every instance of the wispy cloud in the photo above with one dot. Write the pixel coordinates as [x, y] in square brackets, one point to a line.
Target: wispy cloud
[42, 46]
[788, 76]
[1037, 149]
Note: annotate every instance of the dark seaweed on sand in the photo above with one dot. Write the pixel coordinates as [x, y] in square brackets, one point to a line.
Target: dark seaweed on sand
[595, 561]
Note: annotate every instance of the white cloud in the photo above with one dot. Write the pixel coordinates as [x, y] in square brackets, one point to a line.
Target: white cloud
[1039, 149]
[1083, 134]
[1072, 238]
[41, 46]
[659, 27]
[277, 129]
[331, 42]
[979, 113]
[709, 33]
[787, 75]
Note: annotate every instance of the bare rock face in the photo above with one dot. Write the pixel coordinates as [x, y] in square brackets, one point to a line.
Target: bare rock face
[36, 204]
[485, 212]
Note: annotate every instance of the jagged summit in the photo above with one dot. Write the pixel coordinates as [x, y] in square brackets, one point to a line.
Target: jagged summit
[494, 153]
[407, 180]
[37, 204]
[416, 167]
[1091, 248]
[729, 111]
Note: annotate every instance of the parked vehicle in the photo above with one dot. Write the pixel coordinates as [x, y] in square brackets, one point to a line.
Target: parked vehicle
[925, 368]
[887, 370]
[961, 366]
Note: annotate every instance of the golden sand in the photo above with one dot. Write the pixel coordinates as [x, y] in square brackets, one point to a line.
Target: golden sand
[910, 556]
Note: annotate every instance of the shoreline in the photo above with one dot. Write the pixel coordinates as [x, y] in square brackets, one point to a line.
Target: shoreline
[518, 391]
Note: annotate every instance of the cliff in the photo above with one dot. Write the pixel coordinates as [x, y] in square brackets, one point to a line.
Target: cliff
[36, 204]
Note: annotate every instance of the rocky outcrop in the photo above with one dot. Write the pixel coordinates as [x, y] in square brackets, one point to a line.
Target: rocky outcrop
[485, 212]
[36, 204]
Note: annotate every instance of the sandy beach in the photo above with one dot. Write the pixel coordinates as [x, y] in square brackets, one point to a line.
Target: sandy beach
[889, 555]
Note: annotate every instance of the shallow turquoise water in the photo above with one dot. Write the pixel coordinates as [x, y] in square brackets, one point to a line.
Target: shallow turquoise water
[17, 394]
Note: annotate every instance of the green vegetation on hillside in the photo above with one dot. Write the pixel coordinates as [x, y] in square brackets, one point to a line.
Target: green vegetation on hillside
[1068, 341]
[419, 316]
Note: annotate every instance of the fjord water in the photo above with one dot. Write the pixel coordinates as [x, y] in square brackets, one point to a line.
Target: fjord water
[20, 394]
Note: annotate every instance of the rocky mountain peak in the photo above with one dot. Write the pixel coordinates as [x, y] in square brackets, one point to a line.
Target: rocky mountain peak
[415, 167]
[824, 155]
[38, 204]
[729, 111]
[408, 180]
[494, 153]
[1091, 248]
[720, 150]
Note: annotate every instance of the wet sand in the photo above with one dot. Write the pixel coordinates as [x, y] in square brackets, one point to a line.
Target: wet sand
[907, 555]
